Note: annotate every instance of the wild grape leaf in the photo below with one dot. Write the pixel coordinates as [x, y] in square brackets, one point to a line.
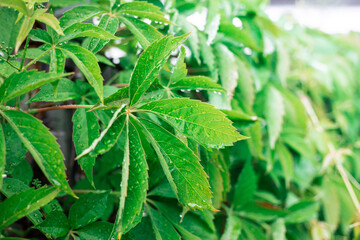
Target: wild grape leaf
[162, 227]
[2, 154]
[245, 187]
[23, 82]
[149, 65]
[144, 33]
[87, 209]
[232, 227]
[66, 90]
[86, 30]
[196, 119]
[57, 61]
[40, 35]
[86, 130]
[179, 70]
[197, 83]
[143, 10]
[21, 204]
[181, 166]
[55, 224]
[109, 24]
[78, 14]
[274, 111]
[133, 184]
[88, 65]
[95, 231]
[41, 144]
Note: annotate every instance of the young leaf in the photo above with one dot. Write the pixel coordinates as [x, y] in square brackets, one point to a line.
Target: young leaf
[162, 227]
[133, 184]
[66, 90]
[149, 65]
[86, 130]
[78, 14]
[88, 65]
[198, 120]
[181, 166]
[16, 4]
[21, 204]
[2, 154]
[55, 224]
[41, 144]
[278, 229]
[23, 82]
[86, 30]
[51, 21]
[245, 186]
[87, 209]
[95, 231]
[25, 28]
[197, 83]
[109, 24]
[144, 33]
[274, 111]
[179, 70]
[143, 10]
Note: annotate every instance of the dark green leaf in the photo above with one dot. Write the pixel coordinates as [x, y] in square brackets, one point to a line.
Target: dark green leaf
[41, 144]
[57, 61]
[95, 231]
[150, 64]
[8, 28]
[23, 82]
[196, 119]
[40, 35]
[21, 204]
[162, 228]
[245, 186]
[55, 224]
[87, 209]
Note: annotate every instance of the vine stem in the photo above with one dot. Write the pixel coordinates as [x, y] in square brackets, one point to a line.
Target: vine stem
[35, 59]
[45, 109]
[96, 191]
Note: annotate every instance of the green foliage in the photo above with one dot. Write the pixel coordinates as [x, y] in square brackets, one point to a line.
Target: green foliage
[224, 133]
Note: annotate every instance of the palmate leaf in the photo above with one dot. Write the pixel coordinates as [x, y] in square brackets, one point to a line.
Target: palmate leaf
[88, 65]
[198, 120]
[86, 130]
[181, 167]
[23, 82]
[78, 14]
[2, 154]
[143, 10]
[149, 65]
[40, 35]
[86, 30]
[144, 33]
[21, 204]
[41, 144]
[134, 182]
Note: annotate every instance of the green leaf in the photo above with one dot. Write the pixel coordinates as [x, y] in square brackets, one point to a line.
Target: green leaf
[109, 24]
[86, 30]
[78, 14]
[245, 187]
[162, 228]
[181, 166]
[2, 155]
[134, 182]
[41, 144]
[143, 10]
[88, 65]
[274, 111]
[197, 83]
[25, 28]
[232, 227]
[144, 33]
[57, 61]
[196, 119]
[302, 212]
[66, 90]
[252, 231]
[55, 224]
[9, 30]
[87, 209]
[240, 119]
[86, 130]
[245, 91]
[149, 65]
[21, 204]
[286, 161]
[51, 21]
[23, 82]
[95, 231]
[179, 70]
[193, 40]
[278, 229]
[40, 35]
[15, 4]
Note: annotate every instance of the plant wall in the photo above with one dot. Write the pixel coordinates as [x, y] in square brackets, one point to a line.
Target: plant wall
[128, 120]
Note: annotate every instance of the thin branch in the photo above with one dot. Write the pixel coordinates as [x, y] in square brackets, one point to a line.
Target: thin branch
[36, 110]
[37, 58]
[96, 191]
